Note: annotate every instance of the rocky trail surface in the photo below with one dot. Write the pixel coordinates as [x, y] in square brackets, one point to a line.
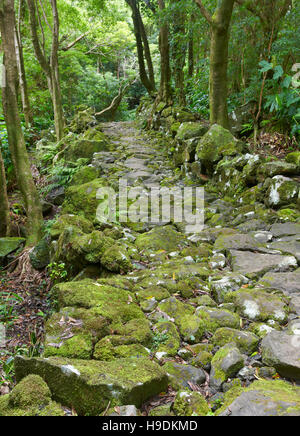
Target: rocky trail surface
[156, 321]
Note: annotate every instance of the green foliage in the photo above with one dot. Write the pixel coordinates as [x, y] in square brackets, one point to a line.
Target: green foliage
[283, 99]
[57, 272]
[8, 303]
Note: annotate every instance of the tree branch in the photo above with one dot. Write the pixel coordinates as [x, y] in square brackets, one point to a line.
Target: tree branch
[68, 47]
[204, 11]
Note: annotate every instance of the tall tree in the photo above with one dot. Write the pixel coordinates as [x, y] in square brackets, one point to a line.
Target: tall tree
[21, 68]
[4, 207]
[165, 90]
[13, 124]
[143, 49]
[219, 24]
[49, 63]
[179, 48]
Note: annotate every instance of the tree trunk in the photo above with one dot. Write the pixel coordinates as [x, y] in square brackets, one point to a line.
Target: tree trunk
[50, 67]
[191, 62]
[13, 124]
[143, 50]
[4, 206]
[218, 83]
[179, 53]
[21, 70]
[165, 91]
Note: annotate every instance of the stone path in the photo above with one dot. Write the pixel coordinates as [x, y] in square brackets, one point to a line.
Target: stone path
[151, 306]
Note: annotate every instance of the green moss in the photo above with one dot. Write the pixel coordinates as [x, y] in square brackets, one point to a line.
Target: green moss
[84, 175]
[171, 344]
[104, 350]
[116, 259]
[161, 238]
[81, 200]
[190, 404]
[277, 390]
[245, 341]
[70, 221]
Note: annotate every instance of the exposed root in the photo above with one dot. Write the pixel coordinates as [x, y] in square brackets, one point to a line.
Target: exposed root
[22, 269]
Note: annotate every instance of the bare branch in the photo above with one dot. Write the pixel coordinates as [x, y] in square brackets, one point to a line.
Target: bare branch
[68, 47]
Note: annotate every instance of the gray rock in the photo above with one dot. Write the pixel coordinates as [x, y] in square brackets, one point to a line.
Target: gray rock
[282, 351]
[256, 264]
[285, 229]
[237, 242]
[179, 375]
[289, 283]
[265, 398]
[291, 247]
[227, 362]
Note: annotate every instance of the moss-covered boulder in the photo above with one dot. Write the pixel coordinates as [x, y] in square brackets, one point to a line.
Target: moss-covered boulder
[85, 147]
[276, 168]
[70, 220]
[181, 375]
[206, 319]
[82, 200]
[105, 351]
[293, 158]
[246, 342]
[260, 305]
[190, 130]
[281, 191]
[161, 238]
[72, 332]
[89, 386]
[116, 259]
[83, 118]
[9, 245]
[31, 397]
[40, 255]
[216, 144]
[281, 351]
[190, 404]
[226, 363]
[84, 175]
[115, 304]
[262, 398]
[167, 339]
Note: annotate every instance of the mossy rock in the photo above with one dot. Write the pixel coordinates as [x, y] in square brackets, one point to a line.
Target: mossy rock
[216, 144]
[9, 245]
[114, 304]
[190, 404]
[116, 259]
[40, 255]
[181, 375]
[105, 351]
[82, 200]
[161, 238]
[168, 339]
[190, 130]
[206, 319]
[246, 342]
[260, 305]
[70, 220]
[281, 191]
[164, 410]
[84, 175]
[293, 158]
[89, 386]
[227, 362]
[31, 397]
[72, 332]
[262, 398]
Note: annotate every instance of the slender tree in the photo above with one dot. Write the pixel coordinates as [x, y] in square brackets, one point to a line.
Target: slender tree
[219, 24]
[179, 49]
[49, 64]
[143, 49]
[21, 68]
[165, 90]
[4, 206]
[13, 124]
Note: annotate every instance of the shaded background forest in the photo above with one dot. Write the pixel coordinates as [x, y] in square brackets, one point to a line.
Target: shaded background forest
[104, 56]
